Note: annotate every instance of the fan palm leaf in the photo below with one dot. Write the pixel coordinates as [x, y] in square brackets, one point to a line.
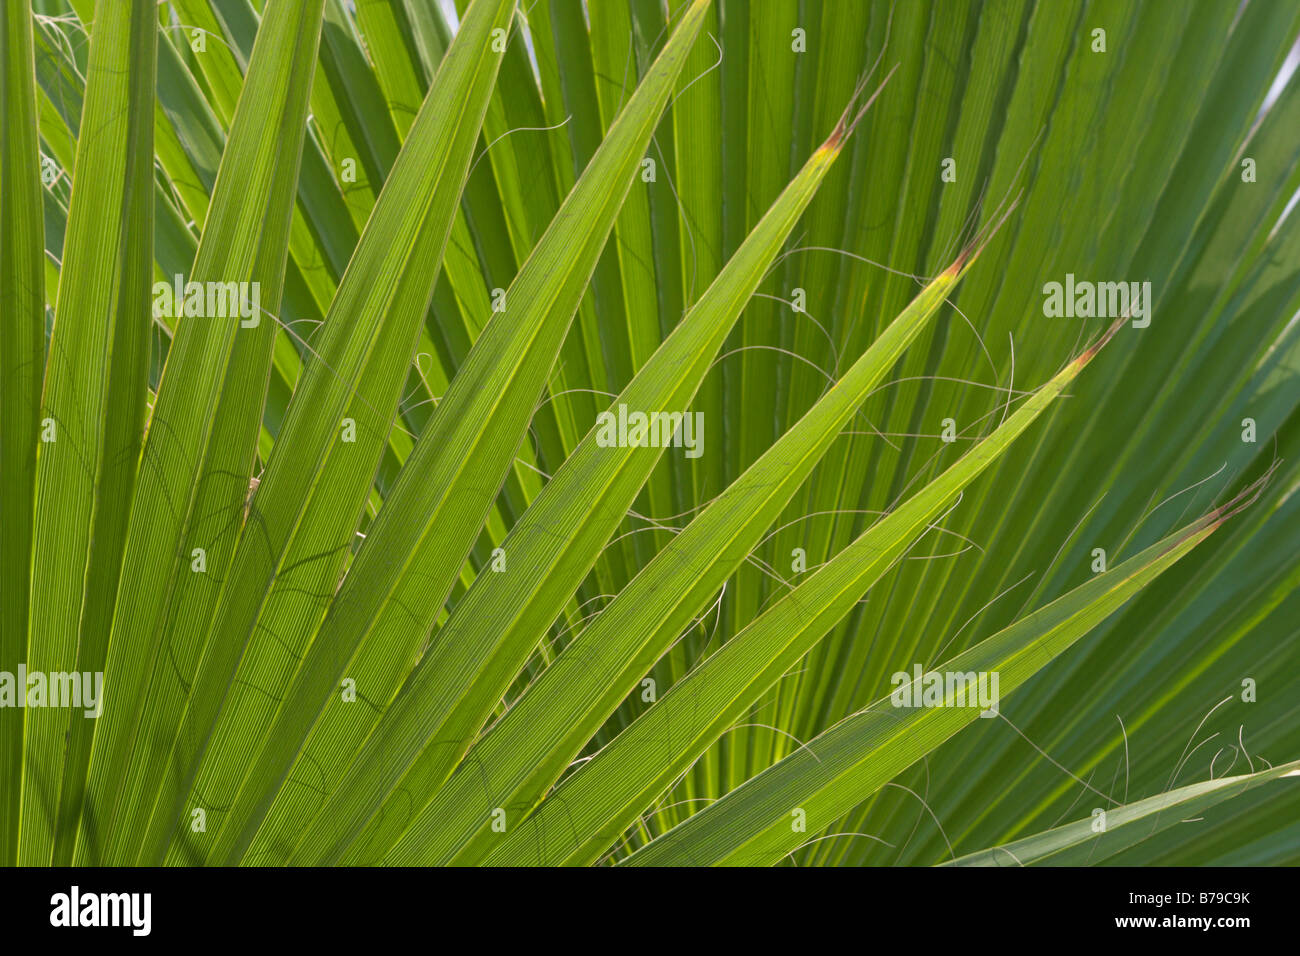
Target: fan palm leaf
[964, 338]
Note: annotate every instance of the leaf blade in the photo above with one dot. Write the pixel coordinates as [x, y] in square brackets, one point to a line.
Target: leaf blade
[827, 777]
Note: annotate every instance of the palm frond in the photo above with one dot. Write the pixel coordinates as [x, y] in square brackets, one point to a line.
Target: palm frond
[967, 332]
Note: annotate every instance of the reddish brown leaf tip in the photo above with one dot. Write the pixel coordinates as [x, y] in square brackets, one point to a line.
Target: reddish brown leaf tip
[1097, 346]
[853, 114]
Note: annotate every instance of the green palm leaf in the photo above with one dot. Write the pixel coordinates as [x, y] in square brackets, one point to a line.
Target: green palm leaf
[1100, 837]
[369, 576]
[22, 355]
[823, 779]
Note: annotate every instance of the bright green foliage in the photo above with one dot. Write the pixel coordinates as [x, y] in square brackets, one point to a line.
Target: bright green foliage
[377, 568]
